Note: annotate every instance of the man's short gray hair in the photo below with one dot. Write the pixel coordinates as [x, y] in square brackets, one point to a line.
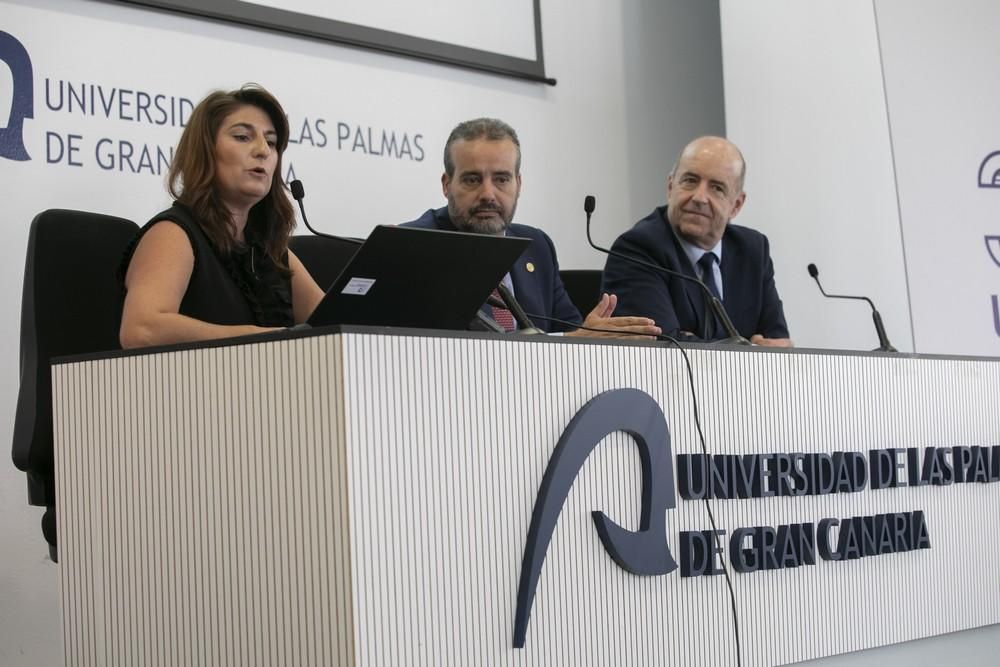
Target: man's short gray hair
[742, 176]
[491, 129]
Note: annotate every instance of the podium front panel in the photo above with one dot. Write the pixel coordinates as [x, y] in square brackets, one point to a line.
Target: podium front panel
[366, 499]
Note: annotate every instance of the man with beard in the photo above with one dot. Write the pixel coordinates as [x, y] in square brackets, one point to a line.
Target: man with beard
[482, 181]
[692, 235]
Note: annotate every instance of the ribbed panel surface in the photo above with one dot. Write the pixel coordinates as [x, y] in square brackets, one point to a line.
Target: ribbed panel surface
[218, 507]
[202, 507]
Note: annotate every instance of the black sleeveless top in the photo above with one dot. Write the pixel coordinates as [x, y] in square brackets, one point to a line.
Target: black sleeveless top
[244, 288]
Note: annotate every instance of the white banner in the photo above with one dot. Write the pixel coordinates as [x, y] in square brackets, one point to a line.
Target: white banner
[943, 103]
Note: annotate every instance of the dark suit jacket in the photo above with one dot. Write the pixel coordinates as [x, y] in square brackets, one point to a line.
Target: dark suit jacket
[750, 296]
[539, 289]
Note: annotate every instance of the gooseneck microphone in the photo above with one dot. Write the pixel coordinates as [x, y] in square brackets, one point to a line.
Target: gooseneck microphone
[883, 339]
[734, 337]
[298, 194]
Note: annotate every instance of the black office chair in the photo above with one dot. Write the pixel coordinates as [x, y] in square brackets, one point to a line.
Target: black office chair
[324, 258]
[583, 287]
[71, 304]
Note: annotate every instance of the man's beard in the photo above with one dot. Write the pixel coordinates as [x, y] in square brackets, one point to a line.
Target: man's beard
[468, 222]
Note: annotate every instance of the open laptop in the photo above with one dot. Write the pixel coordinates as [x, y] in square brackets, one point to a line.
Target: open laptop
[424, 278]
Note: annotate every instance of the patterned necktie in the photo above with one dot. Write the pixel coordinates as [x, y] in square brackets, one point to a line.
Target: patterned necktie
[502, 316]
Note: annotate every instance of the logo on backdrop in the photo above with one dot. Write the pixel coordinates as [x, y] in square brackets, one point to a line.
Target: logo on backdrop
[993, 248]
[989, 171]
[16, 57]
[989, 177]
[151, 112]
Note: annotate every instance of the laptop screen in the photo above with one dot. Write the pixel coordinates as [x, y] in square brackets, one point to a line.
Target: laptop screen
[424, 278]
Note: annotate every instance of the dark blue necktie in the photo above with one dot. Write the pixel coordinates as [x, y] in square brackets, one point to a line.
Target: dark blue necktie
[708, 277]
[707, 262]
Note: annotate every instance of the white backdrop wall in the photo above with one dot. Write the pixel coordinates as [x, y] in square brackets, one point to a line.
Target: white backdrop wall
[943, 103]
[804, 99]
[865, 124]
[636, 81]
[835, 102]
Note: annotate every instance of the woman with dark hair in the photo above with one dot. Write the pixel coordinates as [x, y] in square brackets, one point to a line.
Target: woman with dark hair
[216, 264]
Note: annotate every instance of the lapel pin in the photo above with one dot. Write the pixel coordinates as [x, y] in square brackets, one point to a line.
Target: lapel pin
[530, 267]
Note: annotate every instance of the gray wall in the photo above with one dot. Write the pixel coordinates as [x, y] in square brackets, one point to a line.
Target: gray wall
[673, 89]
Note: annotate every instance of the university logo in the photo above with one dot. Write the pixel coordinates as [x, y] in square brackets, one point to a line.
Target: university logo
[15, 56]
[989, 171]
[993, 248]
[989, 177]
[642, 552]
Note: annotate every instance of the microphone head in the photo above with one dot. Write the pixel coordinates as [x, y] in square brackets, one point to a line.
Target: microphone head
[589, 204]
[813, 271]
[298, 192]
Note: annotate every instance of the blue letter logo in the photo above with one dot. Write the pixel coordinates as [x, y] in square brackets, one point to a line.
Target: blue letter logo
[643, 552]
[989, 171]
[993, 247]
[15, 55]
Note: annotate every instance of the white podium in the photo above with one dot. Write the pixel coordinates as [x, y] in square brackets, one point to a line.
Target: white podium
[364, 496]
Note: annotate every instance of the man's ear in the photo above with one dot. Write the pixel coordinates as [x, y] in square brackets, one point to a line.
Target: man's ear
[738, 206]
[444, 183]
